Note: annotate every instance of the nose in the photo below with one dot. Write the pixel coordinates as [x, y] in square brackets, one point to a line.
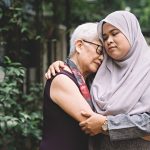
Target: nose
[109, 40]
[101, 57]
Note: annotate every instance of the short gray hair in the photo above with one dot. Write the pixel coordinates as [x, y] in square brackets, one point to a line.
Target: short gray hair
[86, 31]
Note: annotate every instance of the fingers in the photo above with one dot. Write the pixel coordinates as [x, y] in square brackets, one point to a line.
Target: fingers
[54, 68]
[61, 64]
[82, 124]
[83, 128]
[50, 71]
[85, 114]
[87, 131]
[47, 75]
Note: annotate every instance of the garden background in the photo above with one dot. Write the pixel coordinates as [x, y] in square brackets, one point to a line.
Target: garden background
[33, 34]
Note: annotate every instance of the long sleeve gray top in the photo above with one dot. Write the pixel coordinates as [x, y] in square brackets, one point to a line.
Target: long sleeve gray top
[125, 133]
[124, 126]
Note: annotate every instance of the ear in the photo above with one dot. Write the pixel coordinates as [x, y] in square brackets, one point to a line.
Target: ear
[78, 45]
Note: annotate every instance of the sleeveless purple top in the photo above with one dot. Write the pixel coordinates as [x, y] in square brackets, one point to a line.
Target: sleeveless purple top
[60, 131]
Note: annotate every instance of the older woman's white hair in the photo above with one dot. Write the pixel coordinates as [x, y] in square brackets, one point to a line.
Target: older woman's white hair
[86, 31]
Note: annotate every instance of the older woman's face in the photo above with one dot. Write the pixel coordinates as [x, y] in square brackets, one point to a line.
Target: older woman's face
[91, 55]
[116, 44]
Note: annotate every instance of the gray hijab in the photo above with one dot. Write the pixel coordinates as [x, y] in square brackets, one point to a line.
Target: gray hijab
[124, 86]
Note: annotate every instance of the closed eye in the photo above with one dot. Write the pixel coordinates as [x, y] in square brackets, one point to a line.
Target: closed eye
[105, 37]
[115, 32]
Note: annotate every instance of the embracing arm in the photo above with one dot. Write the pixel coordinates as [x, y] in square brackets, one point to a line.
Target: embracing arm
[128, 126]
[120, 127]
[53, 68]
[66, 95]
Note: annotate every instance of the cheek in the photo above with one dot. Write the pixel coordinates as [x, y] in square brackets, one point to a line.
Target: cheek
[91, 55]
[126, 47]
[125, 43]
[105, 45]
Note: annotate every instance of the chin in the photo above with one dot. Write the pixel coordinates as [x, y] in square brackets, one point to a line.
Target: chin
[93, 70]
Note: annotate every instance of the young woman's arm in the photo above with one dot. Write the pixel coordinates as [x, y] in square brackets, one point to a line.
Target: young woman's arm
[125, 126]
[121, 127]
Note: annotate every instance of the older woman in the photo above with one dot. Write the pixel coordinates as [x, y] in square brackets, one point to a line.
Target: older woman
[66, 94]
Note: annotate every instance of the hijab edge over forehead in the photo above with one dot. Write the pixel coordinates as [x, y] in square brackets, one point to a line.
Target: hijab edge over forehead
[115, 21]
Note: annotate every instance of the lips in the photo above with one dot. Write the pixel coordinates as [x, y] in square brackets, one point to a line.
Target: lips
[98, 63]
[111, 48]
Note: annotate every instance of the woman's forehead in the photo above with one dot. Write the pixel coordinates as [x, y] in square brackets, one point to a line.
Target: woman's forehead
[107, 27]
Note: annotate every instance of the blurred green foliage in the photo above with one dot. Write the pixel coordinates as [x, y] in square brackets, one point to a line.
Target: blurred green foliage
[25, 26]
[20, 114]
[23, 22]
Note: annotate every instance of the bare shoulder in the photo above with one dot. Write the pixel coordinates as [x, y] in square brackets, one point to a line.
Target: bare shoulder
[63, 86]
[62, 80]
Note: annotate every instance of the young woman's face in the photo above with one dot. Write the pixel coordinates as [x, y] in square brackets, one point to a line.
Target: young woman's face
[116, 44]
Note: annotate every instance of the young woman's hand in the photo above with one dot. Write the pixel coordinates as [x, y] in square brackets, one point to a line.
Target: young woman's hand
[53, 68]
[92, 125]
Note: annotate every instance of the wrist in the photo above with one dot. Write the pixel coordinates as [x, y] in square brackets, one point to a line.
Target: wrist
[104, 126]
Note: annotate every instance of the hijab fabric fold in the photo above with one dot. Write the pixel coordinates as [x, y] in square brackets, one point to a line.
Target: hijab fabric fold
[124, 86]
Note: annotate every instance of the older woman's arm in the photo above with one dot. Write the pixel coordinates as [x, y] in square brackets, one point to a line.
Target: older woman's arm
[66, 95]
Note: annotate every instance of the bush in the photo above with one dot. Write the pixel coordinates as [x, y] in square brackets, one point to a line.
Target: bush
[20, 114]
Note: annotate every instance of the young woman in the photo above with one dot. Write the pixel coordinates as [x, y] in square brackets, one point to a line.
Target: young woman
[121, 88]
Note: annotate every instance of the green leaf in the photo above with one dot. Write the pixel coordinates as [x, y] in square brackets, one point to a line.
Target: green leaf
[37, 37]
[26, 116]
[12, 122]
[24, 29]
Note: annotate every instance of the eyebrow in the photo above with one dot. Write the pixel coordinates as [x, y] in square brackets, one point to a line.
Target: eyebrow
[111, 31]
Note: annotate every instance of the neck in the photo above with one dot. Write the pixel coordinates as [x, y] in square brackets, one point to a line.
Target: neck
[84, 73]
